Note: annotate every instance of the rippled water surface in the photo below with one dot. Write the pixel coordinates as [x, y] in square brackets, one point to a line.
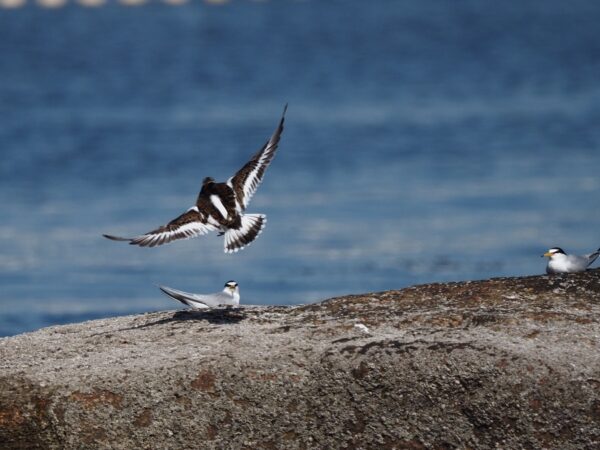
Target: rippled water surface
[425, 141]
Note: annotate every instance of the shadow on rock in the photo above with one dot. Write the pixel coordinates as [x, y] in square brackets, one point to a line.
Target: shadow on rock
[220, 316]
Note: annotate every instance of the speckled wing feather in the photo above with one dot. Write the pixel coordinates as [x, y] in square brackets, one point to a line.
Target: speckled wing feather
[188, 225]
[248, 178]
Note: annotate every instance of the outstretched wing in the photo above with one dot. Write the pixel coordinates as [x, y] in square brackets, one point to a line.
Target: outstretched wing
[248, 178]
[188, 225]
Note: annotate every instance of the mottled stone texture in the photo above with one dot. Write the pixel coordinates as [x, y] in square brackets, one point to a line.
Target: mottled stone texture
[504, 363]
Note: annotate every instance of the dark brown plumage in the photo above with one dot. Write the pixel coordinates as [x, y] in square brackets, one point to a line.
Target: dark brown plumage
[220, 206]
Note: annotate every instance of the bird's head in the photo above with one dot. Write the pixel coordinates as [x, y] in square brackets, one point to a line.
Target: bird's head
[207, 180]
[231, 287]
[553, 252]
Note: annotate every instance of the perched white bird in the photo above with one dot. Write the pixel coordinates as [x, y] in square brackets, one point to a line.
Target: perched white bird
[220, 207]
[560, 262]
[229, 296]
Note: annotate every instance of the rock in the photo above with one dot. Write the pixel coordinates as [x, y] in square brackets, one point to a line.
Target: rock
[503, 363]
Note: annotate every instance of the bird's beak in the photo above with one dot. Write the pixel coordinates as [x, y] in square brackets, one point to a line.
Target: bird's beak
[548, 254]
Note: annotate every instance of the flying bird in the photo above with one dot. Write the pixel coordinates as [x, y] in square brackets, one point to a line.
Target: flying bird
[560, 262]
[229, 296]
[220, 207]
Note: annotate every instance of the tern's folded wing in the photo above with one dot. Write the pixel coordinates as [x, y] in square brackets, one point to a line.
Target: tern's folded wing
[592, 257]
[184, 297]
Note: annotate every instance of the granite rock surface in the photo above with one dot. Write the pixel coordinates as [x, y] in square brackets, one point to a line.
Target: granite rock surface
[503, 363]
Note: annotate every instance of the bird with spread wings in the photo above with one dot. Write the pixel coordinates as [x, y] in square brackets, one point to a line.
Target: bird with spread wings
[220, 207]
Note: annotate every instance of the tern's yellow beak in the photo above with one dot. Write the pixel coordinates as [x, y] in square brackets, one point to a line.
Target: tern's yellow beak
[548, 254]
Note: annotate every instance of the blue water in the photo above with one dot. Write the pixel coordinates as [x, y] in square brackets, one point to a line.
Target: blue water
[425, 141]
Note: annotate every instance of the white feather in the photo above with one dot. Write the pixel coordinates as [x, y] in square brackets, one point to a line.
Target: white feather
[216, 201]
[227, 297]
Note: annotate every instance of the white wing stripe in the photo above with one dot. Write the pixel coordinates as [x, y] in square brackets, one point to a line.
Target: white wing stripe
[216, 201]
[194, 228]
[189, 230]
[251, 183]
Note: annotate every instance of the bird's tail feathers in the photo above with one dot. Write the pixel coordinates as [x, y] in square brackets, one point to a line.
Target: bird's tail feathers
[252, 225]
